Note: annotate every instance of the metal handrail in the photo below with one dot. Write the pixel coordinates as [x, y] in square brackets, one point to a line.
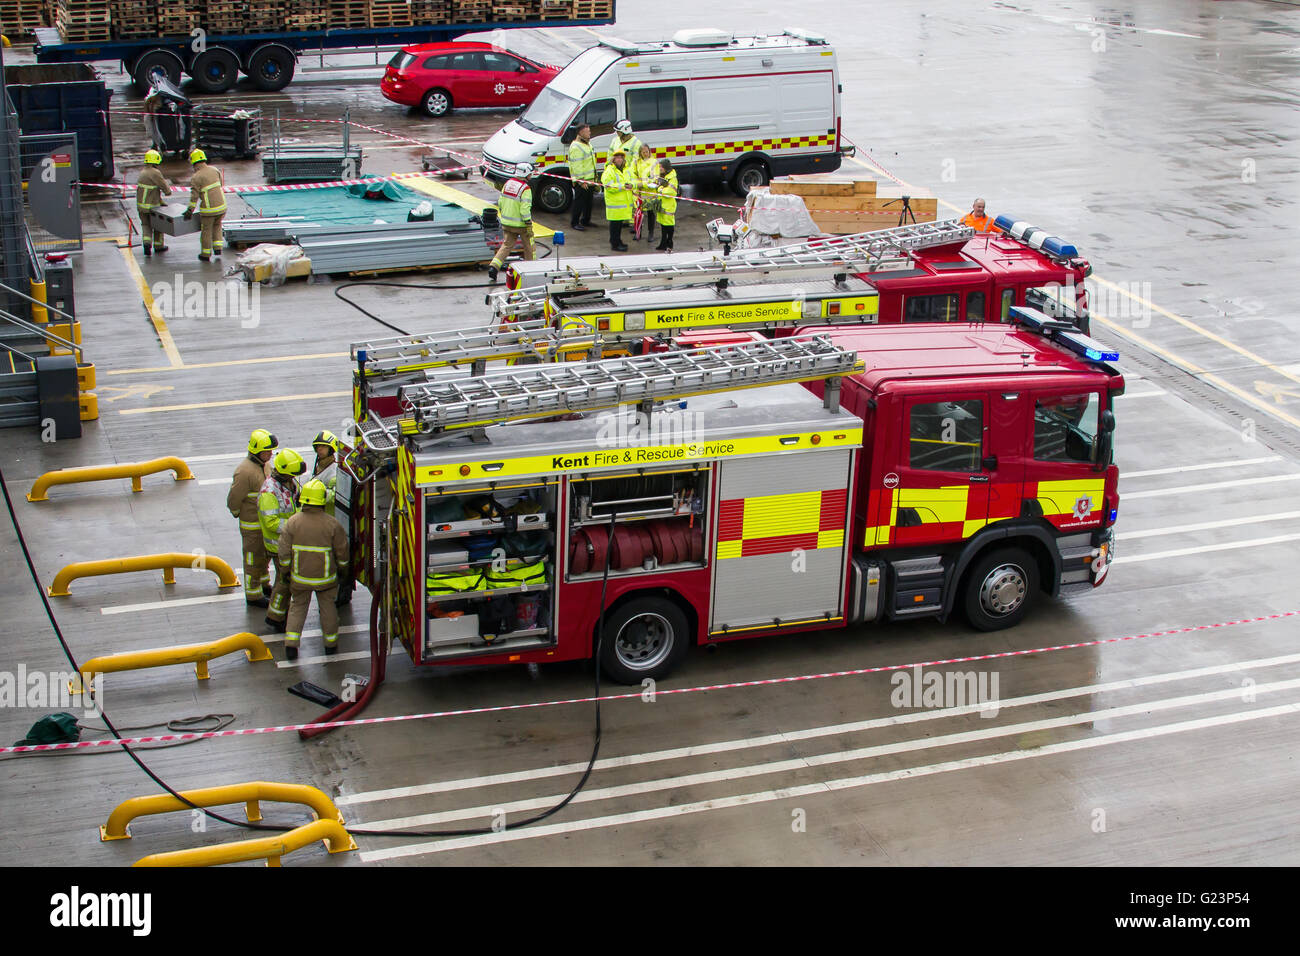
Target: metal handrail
[43, 333]
[48, 307]
[6, 345]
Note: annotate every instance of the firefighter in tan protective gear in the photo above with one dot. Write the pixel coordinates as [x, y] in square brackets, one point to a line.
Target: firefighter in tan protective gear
[150, 189]
[208, 199]
[241, 502]
[277, 502]
[313, 552]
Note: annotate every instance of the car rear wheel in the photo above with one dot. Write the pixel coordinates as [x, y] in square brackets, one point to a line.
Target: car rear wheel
[437, 102]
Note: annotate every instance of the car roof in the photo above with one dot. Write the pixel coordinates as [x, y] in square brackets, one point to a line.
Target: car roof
[453, 46]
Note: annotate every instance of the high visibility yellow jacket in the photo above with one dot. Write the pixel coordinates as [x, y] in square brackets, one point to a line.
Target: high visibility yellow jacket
[205, 191]
[582, 161]
[277, 502]
[631, 146]
[668, 193]
[329, 475]
[646, 173]
[313, 549]
[618, 185]
[150, 189]
[241, 501]
[516, 205]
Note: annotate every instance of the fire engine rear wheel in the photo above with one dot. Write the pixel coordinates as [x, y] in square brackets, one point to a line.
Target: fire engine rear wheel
[1000, 588]
[643, 638]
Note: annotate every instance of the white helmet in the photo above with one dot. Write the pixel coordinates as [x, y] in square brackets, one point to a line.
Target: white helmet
[524, 170]
[623, 126]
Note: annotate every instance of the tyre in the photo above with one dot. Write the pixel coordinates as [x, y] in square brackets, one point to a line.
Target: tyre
[999, 589]
[437, 102]
[751, 174]
[553, 195]
[646, 637]
[215, 70]
[152, 61]
[271, 68]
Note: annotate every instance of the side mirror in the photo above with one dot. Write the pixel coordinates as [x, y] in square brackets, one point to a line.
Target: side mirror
[1108, 421]
[1105, 440]
[570, 135]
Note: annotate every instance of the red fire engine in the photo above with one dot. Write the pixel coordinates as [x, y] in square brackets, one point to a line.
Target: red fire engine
[835, 477]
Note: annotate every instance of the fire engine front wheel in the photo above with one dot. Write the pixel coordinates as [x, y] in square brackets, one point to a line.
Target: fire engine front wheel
[643, 638]
[1000, 588]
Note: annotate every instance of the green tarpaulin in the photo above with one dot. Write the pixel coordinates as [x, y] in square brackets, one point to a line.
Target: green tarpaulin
[364, 203]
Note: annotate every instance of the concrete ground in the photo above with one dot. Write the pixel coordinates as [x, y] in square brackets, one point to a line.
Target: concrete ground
[1133, 727]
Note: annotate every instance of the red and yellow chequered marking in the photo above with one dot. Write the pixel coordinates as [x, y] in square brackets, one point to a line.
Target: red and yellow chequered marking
[715, 149]
[955, 512]
[776, 524]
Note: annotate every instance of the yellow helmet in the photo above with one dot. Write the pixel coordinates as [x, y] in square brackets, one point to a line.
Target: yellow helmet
[261, 440]
[198, 156]
[314, 493]
[325, 437]
[289, 463]
[153, 157]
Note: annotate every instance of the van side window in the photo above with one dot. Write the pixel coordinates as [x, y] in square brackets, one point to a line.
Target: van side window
[660, 108]
[930, 308]
[600, 115]
[975, 307]
[946, 436]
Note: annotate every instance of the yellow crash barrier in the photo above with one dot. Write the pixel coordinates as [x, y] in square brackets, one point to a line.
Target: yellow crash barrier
[254, 649]
[133, 470]
[166, 563]
[248, 794]
[272, 848]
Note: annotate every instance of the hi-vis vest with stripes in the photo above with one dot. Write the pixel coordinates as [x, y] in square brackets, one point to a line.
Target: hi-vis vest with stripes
[516, 205]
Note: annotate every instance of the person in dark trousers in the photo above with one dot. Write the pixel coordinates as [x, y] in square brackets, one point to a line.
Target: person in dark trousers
[582, 168]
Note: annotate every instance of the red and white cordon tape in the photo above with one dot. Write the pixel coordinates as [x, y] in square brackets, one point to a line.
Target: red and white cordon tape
[289, 187]
[636, 695]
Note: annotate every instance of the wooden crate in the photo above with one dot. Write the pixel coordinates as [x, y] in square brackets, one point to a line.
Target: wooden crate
[823, 185]
[350, 14]
[390, 13]
[430, 12]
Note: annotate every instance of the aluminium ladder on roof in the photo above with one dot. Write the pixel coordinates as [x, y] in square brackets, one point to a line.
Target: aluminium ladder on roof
[862, 252]
[542, 391]
[460, 346]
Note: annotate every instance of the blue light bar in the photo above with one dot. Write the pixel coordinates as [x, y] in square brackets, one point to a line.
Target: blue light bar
[1059, 248]
[1032, 318]
[1004, 223]
[1087, 346]
[1036, 238]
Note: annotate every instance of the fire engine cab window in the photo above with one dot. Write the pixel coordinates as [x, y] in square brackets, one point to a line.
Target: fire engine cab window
[931, 308]
[663, 108]
[946, 436]
[1065, 429]
[975, 307]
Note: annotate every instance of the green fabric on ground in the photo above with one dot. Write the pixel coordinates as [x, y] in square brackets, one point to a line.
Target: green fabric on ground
[347, 204]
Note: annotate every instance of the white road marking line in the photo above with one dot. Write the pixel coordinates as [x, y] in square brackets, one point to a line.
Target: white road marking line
[821, 760]
[175, 602]
[230, 457]
[1206, 466]
[1211, 486]
[212, 481]
[1205, 549]
[1207, 525]
[326, 659]
[832, 730]
[847, 783]
[315, 632]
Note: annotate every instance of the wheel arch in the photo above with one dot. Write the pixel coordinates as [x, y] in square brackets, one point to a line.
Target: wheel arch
[1033, 538]
[632, 594]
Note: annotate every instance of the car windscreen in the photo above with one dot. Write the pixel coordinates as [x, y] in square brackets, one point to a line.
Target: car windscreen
[401, 60]
[549, 112]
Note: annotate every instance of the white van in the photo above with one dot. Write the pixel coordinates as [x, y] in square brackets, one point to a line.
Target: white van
[738, 110]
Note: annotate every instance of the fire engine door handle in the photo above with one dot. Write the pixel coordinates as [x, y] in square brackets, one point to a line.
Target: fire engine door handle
[989, 463]
[909, 518]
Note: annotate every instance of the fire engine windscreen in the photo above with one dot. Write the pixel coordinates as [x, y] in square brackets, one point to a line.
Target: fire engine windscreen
[1065, 429]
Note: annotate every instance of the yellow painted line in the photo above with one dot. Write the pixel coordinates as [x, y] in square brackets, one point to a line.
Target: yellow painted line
[155, 316]
[105, 239]
[463, 199]
[238, 401]
[228, 364]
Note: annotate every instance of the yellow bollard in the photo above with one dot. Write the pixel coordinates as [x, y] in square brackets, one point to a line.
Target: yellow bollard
[247, 793]
[254, 649]
[133, 470]
[167, 563]
[271, 848]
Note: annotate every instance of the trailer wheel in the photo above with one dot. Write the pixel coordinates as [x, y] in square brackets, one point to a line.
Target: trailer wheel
[999, 589]
[215, 70]
[271, 67]
[436, 102]
[752, 174]
[644, 638]
[154, 61]
[554, 195]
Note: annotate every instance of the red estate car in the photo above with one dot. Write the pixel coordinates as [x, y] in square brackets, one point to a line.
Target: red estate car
[438, 76]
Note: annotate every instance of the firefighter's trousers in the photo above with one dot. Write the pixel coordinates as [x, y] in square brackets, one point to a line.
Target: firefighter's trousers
[255, 561]
[279, 608]
[210, 235]
[149, 236]
[522, 234]
[300, 597]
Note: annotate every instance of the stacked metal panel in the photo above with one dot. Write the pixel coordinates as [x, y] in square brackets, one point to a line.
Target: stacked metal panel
[371, 248]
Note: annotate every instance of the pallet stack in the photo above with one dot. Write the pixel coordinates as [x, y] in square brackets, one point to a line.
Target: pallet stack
[470, 11]
[20, 18]
[592, 9]
[841, 205]
[431, 12]
[225, 16]
[306, 15]
[132, 19]
[555, 10]
[265, 16]
[390, 13]
[350, 14]
[177, 18]
[83, 20]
